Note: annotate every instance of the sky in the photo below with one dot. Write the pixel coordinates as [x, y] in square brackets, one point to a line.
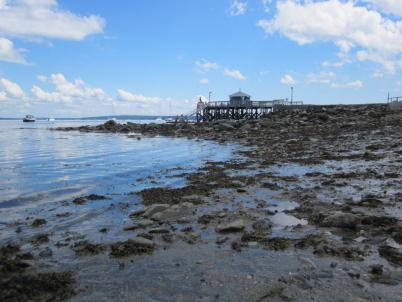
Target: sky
[68, 58]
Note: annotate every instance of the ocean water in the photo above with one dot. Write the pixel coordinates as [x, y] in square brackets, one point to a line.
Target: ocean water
[39, 166]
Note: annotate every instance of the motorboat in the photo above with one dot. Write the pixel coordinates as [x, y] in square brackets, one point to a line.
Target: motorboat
[29, 119]
[51, 119]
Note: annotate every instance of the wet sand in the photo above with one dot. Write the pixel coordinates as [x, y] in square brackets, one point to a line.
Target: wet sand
[308, 209]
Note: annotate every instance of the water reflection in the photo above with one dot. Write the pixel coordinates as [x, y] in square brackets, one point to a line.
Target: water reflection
[38, 165]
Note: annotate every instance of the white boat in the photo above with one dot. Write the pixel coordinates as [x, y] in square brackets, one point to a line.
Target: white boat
[51, 119]
[29, 119]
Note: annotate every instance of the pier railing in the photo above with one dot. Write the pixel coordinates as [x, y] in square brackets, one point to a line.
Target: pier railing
[394, 99]
[250, 104]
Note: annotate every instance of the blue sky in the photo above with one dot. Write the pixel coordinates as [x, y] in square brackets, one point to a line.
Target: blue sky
[90, 57]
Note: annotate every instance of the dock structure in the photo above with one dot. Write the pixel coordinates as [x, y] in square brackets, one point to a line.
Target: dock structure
[240, 106]
[395, 103]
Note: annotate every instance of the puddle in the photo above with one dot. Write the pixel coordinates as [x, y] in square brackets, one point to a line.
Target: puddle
[282, 220]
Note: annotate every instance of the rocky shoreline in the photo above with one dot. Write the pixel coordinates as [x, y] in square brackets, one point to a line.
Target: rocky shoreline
[311, 206]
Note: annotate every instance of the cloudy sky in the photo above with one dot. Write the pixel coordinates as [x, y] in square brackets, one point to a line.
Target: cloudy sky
[89, 57]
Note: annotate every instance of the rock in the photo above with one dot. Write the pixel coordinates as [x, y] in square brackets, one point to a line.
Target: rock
[138, 212]
[134, 246]
[190, 237]
[356, 299]
[220, 239]
[159, 231]
[37, 287]
[174, 213]
[168, 238]
[206, 218]
[38, 222]
[145, 223]
[277, 243]
[322, 117]
[95, 197]
[234, 226]
[342, 220]
[131, 227]
[225, 126]
[236, 245]
[307, 264]
[262, 225]
[146, 236]
[370, 202]
[257, 236]
[47, 252]
[155, 208]
[40, 239]
[141, 224]
[25, 256]
[83, 248]
[83, 199]
[360, 239]
[79, 200]
[110, 125]
[392, 254]
[377, 269]
[272, 290]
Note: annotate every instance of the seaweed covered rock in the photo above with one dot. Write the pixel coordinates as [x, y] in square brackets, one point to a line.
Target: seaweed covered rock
[134, 246]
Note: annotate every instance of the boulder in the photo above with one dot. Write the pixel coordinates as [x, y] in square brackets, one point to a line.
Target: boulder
[342, 220]
[155, 208]
[174, 213]
[133, 246]
[138, 212]
[234, 226]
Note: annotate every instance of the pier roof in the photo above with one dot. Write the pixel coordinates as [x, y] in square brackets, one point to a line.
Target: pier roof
[239, 94]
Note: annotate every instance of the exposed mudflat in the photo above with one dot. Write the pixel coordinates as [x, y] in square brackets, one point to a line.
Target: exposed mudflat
[308, 210]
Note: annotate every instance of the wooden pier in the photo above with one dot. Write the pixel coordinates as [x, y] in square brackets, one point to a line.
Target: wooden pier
[212, 111]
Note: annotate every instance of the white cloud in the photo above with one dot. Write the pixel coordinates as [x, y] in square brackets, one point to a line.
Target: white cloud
[287, 79]
[3, 96]
[42, 78]
[42, 95]
[349, 26]
[137, 98]
[12, 89]
[237, 8]
[321, 78]
[236, 74]
[44, 19]
[352, 84]
[266, 5]
[66, 91]
[393, 7]
[204, 66]
[332, 64]
[330, 79]
[9, 53]
[377, 75]
[204, 81]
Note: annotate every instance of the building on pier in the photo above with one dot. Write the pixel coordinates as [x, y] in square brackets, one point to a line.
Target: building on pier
[239, 106]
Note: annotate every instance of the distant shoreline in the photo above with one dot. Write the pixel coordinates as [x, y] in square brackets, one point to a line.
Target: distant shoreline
[119, 117]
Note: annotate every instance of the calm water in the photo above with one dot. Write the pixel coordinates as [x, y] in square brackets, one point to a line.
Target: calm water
[40, 166]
